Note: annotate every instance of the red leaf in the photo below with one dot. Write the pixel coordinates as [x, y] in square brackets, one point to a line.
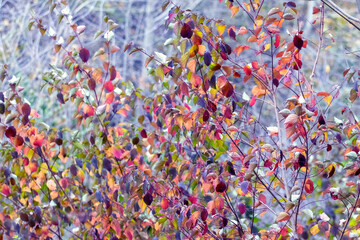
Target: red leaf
[18, 141]
[184, 89]
[345, 72]
[223, 55]
[227, 89]
[252, 101]
[91, 83]
[10, 132]
[298, 42]
[112, 73]
[25, 161]
[164, 203]
[206, 116]
[242, 208]
[221, 186]
[192, 199]
[309, 186]
[316, 10]
[84, 54]
[211, 106]
[206, 228]
[186, 31]
[143, 133]
[247, 70]
[232, 34]
[109, 86]
[297, 64]
[26, 109]
[227, 113]
[5, 190]
[204, 214]
[277, 40]
[323, 94]
[262, 198]
[89, 110]
[255, 64]
[64, 183]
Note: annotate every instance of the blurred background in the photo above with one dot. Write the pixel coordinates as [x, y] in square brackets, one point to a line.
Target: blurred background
[28, 54]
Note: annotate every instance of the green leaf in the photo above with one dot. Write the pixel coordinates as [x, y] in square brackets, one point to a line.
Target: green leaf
[97, 34]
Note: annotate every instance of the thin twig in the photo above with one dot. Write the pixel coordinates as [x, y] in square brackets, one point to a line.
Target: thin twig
[321, 39]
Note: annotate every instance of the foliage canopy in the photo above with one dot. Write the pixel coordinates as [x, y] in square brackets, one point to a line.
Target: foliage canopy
[234, 141]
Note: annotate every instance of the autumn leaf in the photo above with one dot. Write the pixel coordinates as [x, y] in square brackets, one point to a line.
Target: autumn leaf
[309, 186]
[84, 54]
[283, 216]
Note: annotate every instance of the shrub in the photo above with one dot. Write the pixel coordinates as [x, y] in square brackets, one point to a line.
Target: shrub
[233, 142]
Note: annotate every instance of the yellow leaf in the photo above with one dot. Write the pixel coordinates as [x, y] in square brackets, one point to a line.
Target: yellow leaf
[283, 72]
[81, 175]
[247, 5]
[328, 47]
[159, 72]
[267, 47]
[199, 33]
[328, 99]
[142, 205]
[179, 120]
[30, 154]
[314, 230]
[88, 225]
[206, 29]
[259, 22]
[221, 29]
[325, 136]
[327, 69]
[234, 10]
[157, 226]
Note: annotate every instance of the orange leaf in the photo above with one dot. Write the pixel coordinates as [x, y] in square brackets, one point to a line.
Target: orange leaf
[242, 31]
[240, 49]
[219, 203]
[201, 50]
[192, 65]
[253, 38]
[234, 10]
